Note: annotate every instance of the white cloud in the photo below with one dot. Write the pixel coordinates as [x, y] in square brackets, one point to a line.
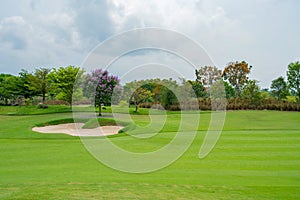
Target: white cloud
[264, 33]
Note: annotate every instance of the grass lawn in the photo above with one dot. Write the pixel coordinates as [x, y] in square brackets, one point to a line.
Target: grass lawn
[256, 157]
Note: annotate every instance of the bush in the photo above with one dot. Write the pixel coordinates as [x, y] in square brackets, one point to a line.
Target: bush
[56, 102]
[42, 106]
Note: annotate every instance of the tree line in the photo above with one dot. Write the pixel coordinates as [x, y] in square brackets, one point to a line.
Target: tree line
[64, 84]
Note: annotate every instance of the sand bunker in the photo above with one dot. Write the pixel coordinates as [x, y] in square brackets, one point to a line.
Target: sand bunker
[75, 129]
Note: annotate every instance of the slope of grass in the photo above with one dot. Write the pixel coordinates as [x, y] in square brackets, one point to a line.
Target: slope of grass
[33, 110]
[257, 157]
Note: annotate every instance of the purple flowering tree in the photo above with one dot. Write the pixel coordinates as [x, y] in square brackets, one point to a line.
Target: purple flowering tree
[103, 88]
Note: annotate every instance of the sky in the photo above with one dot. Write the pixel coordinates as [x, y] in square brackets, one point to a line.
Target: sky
[38, 33]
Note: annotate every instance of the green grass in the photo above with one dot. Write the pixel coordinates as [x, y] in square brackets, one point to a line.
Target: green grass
[33, 110]
[94, 123]
[256, 157]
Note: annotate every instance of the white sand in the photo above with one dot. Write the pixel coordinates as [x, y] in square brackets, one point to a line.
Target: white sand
[75, 129]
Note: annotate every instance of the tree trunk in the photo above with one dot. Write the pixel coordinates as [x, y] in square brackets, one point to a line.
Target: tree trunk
[100, 110]
[44, 97]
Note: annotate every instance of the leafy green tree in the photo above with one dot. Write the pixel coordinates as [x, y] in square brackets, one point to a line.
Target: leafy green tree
[279, 88]
[198, 88]
[265, 94]
[140, 95]
[67, 80]
[157, 90]
[293, 77]
[229, 90]
[40, 81]
[25, 88]
[237, 75]
[8, 88]
[251, 91]
[168, 97]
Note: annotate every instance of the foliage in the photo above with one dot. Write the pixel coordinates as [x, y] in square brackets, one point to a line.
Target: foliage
[43, 106]
[251, 91]
[59, 86]
[67, 80]
[24, 85]
[8, 88]
[265, 94]
[279, 88]
[207, 75]
[140, 95]
[151, 90]
[40, 82]
[237, 75]
[168, 97]
[101, 86]
[293, 76]
[198, 89]
[229, 90]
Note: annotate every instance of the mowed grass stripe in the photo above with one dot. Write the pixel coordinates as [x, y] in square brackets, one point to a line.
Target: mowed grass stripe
[249, 161]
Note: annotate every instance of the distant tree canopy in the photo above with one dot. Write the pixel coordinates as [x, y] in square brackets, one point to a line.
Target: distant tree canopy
[67, 81]
[279, 88]
[151, 90]
[71, 83]
[8, 88]
[208, 75]
[237, 75]
[251, 91]
[293, 77]
[40, 81]
[100, 85]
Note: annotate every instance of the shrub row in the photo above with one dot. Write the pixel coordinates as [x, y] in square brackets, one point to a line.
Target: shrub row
[231, 104]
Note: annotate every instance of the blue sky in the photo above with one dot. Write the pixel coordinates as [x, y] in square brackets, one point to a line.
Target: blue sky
[37, 33]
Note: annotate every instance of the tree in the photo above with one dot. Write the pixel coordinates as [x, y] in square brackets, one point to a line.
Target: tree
[237, 75]
[198, 88]
[279, 88]
[40, 81]
[8, 88]
[24, 87]
[207, 75]
[100, 85]
[265, 93]
[140, 95]
[251, 91]
[293, 77]
[67, 80]
[229, 90]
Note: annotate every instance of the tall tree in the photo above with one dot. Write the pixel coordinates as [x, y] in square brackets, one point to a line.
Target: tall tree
[8, 88]
[137, 92]
[40, 81]
[198, 89]
[251, 91]
[25, 88]
[140, 95]
[100, 86]
[67, 79]
[207, 75]
[237, 75]
[229, 90]
[279, 88]
[293, 77]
